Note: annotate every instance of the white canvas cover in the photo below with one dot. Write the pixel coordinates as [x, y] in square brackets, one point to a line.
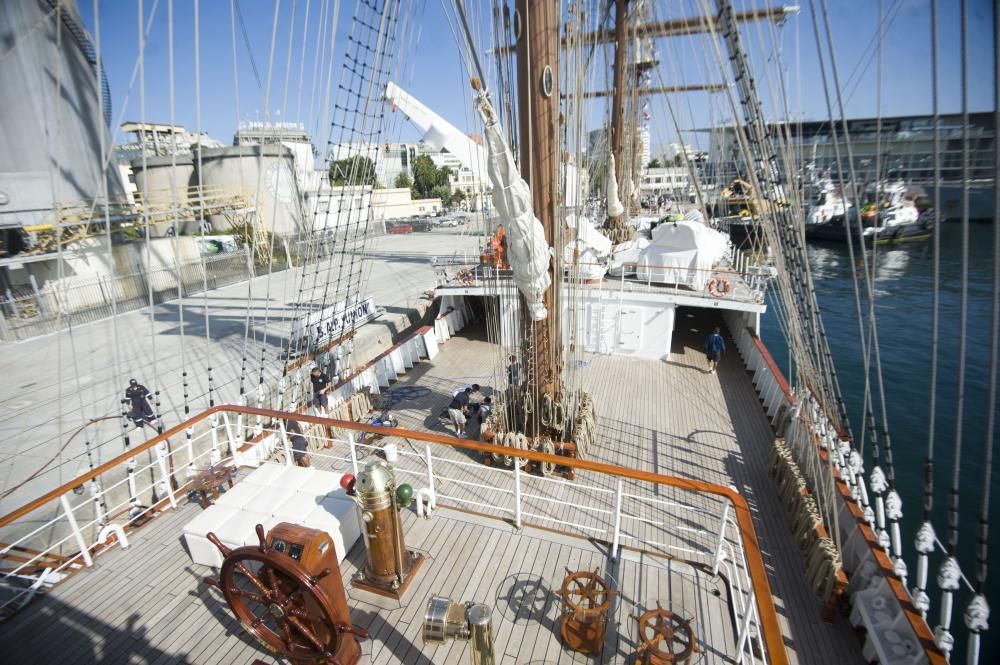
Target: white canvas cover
[594, 248]
[625, 255]
[682, 252]
[529, 253]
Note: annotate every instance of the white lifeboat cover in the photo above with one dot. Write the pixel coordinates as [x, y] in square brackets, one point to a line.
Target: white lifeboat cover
[529, 253]
[682, 252]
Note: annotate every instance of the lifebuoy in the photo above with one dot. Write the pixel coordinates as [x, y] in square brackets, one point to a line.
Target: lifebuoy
[465, 277]
[719, 287]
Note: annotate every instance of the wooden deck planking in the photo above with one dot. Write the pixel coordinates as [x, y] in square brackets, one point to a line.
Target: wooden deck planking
[666, 417]
[673, 418]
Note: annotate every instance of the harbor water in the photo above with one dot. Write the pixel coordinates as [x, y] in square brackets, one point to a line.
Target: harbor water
[903, 305]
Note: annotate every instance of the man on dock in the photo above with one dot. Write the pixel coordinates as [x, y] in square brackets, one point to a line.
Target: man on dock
[137, 397]
[321, 386]
[715, 346]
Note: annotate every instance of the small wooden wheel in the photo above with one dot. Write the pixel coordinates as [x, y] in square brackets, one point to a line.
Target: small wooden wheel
[665, 637]
[586, 595]
[280, 604]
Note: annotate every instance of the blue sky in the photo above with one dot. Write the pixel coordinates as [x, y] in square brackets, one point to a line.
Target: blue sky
[430, 64]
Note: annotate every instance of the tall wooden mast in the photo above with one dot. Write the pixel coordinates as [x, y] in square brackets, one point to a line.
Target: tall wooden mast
[538, 92]
[616, 142]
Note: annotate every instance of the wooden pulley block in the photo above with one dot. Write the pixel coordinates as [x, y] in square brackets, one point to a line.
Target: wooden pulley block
[586, 598]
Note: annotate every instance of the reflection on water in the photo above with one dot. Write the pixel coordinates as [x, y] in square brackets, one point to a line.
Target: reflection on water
[904, 288]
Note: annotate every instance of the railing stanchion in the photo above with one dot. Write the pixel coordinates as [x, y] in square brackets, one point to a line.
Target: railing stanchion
[284, 443]
[517, 494]
[68, 512]
[161, 462]
[95, 493]
[189, 447]
[230, 436]
[722, 538]
[616, 541]
[213, 424]
[354, 452]
[741, 640]
[430, 471]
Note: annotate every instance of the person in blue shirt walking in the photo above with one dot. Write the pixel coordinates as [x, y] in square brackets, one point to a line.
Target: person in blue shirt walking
[715, 346]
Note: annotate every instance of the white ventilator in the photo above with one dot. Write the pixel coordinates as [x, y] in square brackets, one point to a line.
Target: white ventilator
[615, 207]
[529, 253]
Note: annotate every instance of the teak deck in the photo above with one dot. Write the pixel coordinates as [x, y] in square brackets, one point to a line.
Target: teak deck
[147, 604]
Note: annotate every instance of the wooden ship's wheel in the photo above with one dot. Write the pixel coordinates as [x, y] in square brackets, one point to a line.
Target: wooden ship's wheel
[283, 597]
[664, 638]
[586, 598]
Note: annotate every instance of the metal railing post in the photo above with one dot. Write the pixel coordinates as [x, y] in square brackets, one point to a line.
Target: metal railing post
[68, 512]
[230, 437]
[189, 446]
[213, 424]
[722, 538]
[95, 493]
[161, 461]
[430, 471]
[284, 443]
[354, 452]
[517, 494]
[616, 541]
[741, 640]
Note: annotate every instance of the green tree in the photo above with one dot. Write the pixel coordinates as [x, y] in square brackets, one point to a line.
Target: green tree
[441, 192]
[404, 180]
[444, 176]
[425, 177]
[457, 197]
[655, 163]
[358, 170]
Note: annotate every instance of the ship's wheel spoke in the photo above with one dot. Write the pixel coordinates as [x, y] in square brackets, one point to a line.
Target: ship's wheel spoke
[296, 612]
[253, 579]
[306, 633]
[236, 591]
[286, 633]
[272, 581]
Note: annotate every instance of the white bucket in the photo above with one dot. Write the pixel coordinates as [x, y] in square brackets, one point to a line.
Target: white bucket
[391, 453]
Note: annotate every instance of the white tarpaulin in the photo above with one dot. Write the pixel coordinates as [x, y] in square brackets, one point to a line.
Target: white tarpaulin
[526, 246]
[593, 246]
[625, 255]
[682, 252]
[615, 207]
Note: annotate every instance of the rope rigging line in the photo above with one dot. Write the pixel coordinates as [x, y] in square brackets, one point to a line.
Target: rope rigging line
[257, 197]
[302, 59]
[255, 219]
[963, 313]
[145, 222]
[869, 287]
[868, 418]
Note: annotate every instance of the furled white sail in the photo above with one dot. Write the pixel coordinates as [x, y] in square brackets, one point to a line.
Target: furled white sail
[529, 253]
[592, 246]
[615, 207]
